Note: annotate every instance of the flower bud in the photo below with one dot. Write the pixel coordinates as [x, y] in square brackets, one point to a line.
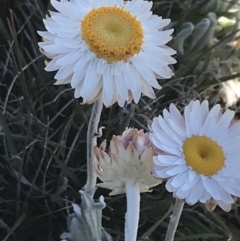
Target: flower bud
[129, 158]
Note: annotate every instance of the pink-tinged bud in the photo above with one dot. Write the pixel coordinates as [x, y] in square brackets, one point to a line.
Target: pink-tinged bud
[129, 158]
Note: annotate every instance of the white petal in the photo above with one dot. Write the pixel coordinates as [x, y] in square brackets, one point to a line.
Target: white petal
[67, 9]
[206, 184]
[90, 81]
[68, 58]
[162, 173]
[177, 169]
[226, 207]
[121, 87]
[65, 71]
[170, 160]
[108, 83]
[179, 180]
[168, 130]
[189, 184]
[146, 73]
[211, 120]
[95, 91]
[192, 175]
[169, 185]
[194, 194]
[78, 76]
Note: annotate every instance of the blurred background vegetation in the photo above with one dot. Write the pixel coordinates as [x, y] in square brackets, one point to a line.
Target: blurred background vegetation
[43, 128]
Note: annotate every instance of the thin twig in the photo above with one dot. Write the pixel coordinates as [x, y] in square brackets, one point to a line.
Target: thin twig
[91, 142]
[173, 224]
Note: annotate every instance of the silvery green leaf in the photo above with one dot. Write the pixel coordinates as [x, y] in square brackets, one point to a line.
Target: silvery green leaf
[209, 6]
[208, 35]
[223, 5]
[199, 31]
[85, 224]
[180, 38]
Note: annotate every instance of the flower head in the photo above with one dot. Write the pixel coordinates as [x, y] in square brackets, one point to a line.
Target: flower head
[129, 159]
[201, 153]
[111, 49]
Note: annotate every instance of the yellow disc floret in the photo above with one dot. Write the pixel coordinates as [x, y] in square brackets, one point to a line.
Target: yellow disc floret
[204, 155]
[112, 33]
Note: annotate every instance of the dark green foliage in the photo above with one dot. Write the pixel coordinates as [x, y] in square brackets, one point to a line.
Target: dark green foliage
[43, 128]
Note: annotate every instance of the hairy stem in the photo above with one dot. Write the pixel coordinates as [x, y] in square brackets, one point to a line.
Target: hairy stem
[173, 224]
[133, 208]
[91, 142]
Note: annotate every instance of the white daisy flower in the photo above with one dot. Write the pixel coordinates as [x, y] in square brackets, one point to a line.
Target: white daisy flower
[201, 153]
[107, 49]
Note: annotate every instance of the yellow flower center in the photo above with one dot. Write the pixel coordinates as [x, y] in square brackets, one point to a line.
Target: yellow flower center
[112, 33]
[204, 155]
